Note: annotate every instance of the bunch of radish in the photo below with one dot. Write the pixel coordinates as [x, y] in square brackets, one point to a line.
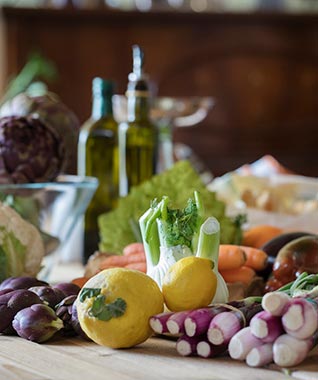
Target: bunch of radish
[206, 332]
[277, 327]
[284, 332]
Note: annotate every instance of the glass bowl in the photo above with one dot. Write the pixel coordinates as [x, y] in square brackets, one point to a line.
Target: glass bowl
[54, 207]
[181, 111]
[169, 113]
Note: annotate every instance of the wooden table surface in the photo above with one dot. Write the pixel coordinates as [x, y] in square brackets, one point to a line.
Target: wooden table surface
[74, 358]
[157, 358]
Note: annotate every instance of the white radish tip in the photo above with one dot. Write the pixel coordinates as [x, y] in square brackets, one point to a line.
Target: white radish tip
[203, 349]
[253, 358]
[293, 319]
[190, 327]
[173, 327]
[235, 348]
[274, 302]
[215, 336]
[283, 355]
[156, 325]
[184, 348]
[259, 328]
[270, 302]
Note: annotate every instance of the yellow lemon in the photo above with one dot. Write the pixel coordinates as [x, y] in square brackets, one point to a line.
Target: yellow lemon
[190, 283]
[115, 305]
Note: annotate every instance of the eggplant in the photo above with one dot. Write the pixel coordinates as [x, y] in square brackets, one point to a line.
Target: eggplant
[273, 246]
[298, 256]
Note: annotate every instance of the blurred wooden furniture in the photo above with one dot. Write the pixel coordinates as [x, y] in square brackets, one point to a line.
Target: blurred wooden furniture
[261, 68]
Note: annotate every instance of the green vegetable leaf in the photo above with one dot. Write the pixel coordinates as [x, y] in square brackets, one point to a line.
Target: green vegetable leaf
[89, 293]
[98, 305]
[106, 311]
[181, 225]
[178, 184]
[14, 251]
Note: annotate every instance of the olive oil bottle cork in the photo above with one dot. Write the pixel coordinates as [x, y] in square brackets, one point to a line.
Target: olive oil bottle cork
[98, 157]
[138, 136]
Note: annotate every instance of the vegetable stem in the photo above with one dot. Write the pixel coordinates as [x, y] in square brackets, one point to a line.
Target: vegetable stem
[242, 343]
[208, 247]
[260, 356]
[198, 321]
[300, 318]
[274, 302]
[159, 322]
[266, 326]
[209, 240]
[200, 219]
[175, 322]
[290, 351]
[149, 233]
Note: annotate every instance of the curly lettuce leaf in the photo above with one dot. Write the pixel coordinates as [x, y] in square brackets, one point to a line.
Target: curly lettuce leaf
[177, 183]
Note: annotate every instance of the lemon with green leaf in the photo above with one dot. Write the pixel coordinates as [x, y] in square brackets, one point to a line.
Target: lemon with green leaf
[115, 305]
[190, 283]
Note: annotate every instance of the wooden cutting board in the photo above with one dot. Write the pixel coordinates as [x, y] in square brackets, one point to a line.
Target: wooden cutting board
[74, 358]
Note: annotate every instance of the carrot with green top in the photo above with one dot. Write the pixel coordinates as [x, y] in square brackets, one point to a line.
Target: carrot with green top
[230, 257]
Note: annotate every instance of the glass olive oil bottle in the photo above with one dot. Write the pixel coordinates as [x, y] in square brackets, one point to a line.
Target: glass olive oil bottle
[138, 136]
[98, 157]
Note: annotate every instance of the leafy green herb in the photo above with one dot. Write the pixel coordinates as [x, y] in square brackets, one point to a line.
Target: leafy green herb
[181, 224]
[89, 293]
[177, 183]
[106, 311]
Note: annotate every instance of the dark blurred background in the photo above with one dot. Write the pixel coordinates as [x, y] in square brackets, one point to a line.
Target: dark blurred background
[257, 59]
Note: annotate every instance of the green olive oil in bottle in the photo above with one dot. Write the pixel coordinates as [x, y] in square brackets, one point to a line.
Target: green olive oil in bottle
[138, 136]
[98, 157]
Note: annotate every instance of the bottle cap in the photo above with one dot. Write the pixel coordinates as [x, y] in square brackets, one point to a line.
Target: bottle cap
[102, 87]
[138, 80]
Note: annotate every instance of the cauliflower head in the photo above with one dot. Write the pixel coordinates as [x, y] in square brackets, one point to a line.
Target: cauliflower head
[21, 245]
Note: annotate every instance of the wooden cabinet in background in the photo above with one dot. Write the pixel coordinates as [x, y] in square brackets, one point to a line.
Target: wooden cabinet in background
[262, 70]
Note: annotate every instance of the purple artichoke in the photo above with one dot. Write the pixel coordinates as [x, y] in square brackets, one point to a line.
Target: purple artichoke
[49, 295]
[64, 311]
[52, 111]
[30, 150]
[37, 323]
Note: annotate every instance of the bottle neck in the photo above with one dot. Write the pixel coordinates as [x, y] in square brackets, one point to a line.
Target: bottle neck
[102, 106]
[138, 107]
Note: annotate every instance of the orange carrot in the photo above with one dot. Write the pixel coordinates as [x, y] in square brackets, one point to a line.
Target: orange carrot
[121, 261]
[257, 236]
[230, 257]
[141, 266]
[133, 248]
[255, 258]
[243, 274]
[80, 281]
